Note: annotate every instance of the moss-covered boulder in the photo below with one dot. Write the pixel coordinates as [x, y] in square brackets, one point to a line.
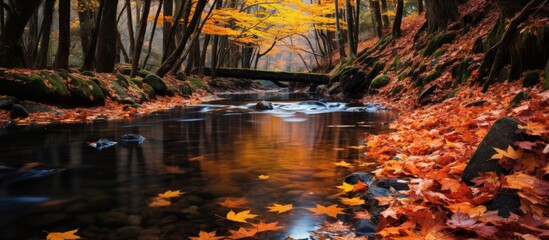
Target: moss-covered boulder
[123, 81]
[143, 73]
[531, 78]
[437, 42]
[125, 71]
[521, 96]
[88, 73]
[380, 81]
[157, 84]
[186, 89]
[85, 92]
[33, 87]
[59, 88]
[396, 90]
[121, 95]
[151, 94]
[136, 81]
[197, 83]
[106, 91]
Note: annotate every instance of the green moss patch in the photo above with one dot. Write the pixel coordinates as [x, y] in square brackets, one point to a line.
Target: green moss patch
[437, 42]
[380, 81]
[85, 92]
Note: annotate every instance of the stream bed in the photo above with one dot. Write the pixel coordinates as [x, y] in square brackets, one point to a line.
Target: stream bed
[52, 180]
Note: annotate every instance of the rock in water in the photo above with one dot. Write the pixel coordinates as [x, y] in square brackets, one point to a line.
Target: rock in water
[263, 105]
[18, 111]
[502, 134]
[131, 140]
[102, 144]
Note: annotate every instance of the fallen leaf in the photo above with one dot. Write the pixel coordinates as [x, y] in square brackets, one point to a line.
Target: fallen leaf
[363, 215]
[171, 194]
[280, 208]
[359, 186]
[263, 177]
[510, 153]
[242, 233]
[331, 210]
[534, 128]
[346, 187]
[526, 145]
[160, 202]
[263, 227]
[352, 201]
[343, 164]
[206, 236]
[233, 202]
[241, 216]
[63, 235]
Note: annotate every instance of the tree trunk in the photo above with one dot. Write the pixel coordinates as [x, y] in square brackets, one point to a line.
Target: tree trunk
[341, 44]
[193, 24]
[106, 41]
[440, 13]
[420, 7]
[351, 29]
[377, 16]
[398, 19]
[85, 15]
[63, 49]
[160, 2]
[12, 53]
[385, 15]
[42, 59]
[140, 38]
[170, 39]
[129, 22]
[167, 45]
[89, 55]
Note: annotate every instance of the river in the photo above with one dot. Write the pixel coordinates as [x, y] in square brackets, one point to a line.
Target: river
[52, 181]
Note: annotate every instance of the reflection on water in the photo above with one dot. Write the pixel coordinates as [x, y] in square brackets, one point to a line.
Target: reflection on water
[207, 151]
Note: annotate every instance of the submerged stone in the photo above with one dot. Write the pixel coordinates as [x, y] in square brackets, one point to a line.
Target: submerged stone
[102, 144]
[263, 105]
[131, 139]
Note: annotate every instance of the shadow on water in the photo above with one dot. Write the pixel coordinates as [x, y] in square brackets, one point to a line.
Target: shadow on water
[210, 151]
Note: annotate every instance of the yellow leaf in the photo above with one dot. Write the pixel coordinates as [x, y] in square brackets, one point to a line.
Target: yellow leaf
[342, 164]
[241, 216]
[510, 153]
[160, 202]
[206, 236]
[352, 201]
[63, 235]
[280, 208]
[263, 177]
[346, 187]
[536, 129]
[233, 202]
[170, 194]
[331, 210]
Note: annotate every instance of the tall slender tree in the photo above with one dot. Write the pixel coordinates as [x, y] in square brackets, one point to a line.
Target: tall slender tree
[63, 49]
[106, 41]
[42, 59]
[140, 38]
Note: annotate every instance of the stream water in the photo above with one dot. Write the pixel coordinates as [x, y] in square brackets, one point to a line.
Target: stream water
[51, 180]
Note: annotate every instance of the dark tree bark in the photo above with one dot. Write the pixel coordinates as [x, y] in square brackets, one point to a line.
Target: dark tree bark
[140, 38]
[386, 22]
[85, 15]
[63, 49]
[339, 36]
[398, 19]
[42, 59]
[420, 7]
[167, 45]
[376, 12]
[32, 38]
[89, 55]
[160, 2]
[175, 55]
[106, 41]
[170, 39]
[353, 43]
[129, 22]
[440, 13]
[11, 43]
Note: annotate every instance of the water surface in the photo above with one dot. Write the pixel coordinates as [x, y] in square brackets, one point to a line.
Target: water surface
[210, 152]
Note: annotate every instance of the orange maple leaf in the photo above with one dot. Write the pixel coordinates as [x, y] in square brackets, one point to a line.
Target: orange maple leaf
[242, 233]
[263, 227]
[206, 236]
[170, 194]
[359, 186]
[280, 208]
[63, 235]
[233, 202]
[160, 202]
[331, 210]
[240, 216]
[510, 153]
[363, 215]
[352, 201]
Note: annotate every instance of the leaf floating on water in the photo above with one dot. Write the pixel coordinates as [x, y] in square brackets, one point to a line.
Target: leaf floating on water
[207, 236]
[68, 235]
[280, 208]
[160, 202]
[343, 164]
[233, 202]
[352, 201]
[170, 194]
[346, 187]
[263, 177]
[331, 210]
[363, 215]
[242, 233]
[263, 227]
[359, 186]
[240, 216]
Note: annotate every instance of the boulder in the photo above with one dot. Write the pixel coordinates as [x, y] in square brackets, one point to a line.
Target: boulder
[157, 84]
[424, 96]
[85, 92]
[18, 111]
[263, 105]
[7, 102]
[521, 96]
[505, 202]
[531, 78]
[379, 81]
[502, 134]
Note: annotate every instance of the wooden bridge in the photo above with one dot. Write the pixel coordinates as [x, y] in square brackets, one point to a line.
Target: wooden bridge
[275, 76]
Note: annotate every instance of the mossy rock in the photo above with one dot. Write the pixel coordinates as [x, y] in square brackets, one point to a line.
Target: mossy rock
[157, 84]
[431, 77]
[151, 94]
[85, 92]
[33, 87]
[136, 81]
[61, 91]
[197, 83]
[186, 89]
[521, 96]
[123, 81]
[144, 73]
[450, 94]
[546, 82]
[120, 91]
[461, 72]
[396, 90]
[180, 75]
[106, 91]
[88, 73]
[531, 78]
[476, 103]
[437, 42]
[439, 53]
[380, 81]
[125, 71]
